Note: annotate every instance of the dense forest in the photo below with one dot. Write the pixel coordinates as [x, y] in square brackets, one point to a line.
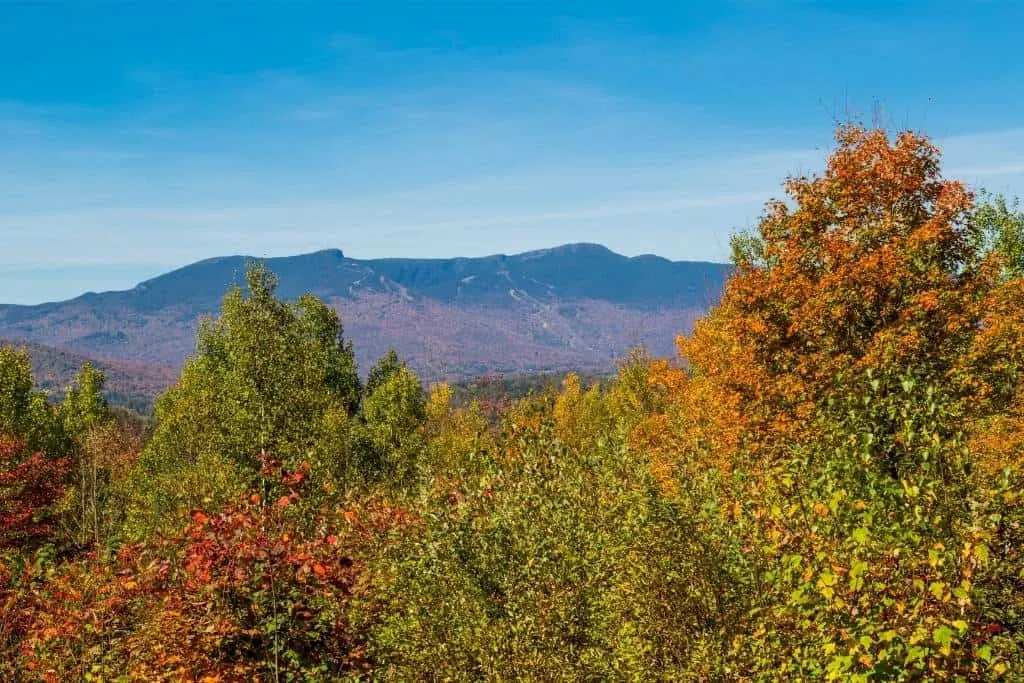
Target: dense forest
[824, 485]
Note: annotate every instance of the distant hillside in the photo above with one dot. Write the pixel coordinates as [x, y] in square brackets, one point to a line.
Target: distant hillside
[128, 385]
[578, 306]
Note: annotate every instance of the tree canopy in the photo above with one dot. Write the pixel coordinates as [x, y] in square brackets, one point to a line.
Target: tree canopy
[825, 484]
[264, 376]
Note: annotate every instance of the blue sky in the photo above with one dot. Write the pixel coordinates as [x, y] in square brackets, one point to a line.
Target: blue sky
[138, 137]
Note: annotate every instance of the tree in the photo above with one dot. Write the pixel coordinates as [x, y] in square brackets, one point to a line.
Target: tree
[546, 556]
[16, 389]
[33, 466]
[387, 366]
[25, 414]
[999, 229]
[460, 441]
[871, 325]
[84, 406]
[874, 266]
[394, 413]
[265, 374]
[83, 412]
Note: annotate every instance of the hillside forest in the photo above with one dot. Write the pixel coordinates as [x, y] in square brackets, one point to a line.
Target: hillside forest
[824, 484]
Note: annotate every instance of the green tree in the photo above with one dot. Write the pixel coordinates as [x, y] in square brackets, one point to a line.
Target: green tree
[564, 562]
[388, 365]
[394, 412]
[999, 229]
[84, 413]
[84, 406]
[25, 414]
[15, 391]
[265, 374]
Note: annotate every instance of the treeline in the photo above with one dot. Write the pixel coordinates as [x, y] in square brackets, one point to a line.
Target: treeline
[497, 391]
[825, 485]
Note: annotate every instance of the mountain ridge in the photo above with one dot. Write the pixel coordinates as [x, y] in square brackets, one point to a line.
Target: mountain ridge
[394, 268]
[574, 306]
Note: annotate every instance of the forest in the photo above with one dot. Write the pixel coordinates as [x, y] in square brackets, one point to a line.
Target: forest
[824, 484]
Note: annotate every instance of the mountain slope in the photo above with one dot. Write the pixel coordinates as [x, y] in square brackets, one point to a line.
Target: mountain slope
[572, 307]
[131, 385]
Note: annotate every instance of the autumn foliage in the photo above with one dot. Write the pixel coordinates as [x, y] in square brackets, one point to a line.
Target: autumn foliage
[871, 267]
[857, 392]
[248, 591]
[30, 485]
[825, 484]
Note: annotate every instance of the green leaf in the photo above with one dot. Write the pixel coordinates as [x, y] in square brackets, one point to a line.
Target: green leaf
[981, 553]
[943, 635]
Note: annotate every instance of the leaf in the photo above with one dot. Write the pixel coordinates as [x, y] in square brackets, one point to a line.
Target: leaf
[981, 553]
[943, 635]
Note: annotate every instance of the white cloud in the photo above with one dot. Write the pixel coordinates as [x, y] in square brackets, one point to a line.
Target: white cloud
[990, 160]
[503, 156]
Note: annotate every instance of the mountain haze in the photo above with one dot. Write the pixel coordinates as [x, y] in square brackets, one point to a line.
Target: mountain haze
[577, 306]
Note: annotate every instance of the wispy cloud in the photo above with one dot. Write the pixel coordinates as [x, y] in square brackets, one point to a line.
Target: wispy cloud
[990, 159]
[458, 156]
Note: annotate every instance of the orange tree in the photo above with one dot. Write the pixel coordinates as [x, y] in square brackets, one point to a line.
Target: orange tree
[868, 336]
[874, 265]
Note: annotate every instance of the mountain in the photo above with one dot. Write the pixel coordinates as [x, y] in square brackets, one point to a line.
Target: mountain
[578, 306]
[129, 385]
